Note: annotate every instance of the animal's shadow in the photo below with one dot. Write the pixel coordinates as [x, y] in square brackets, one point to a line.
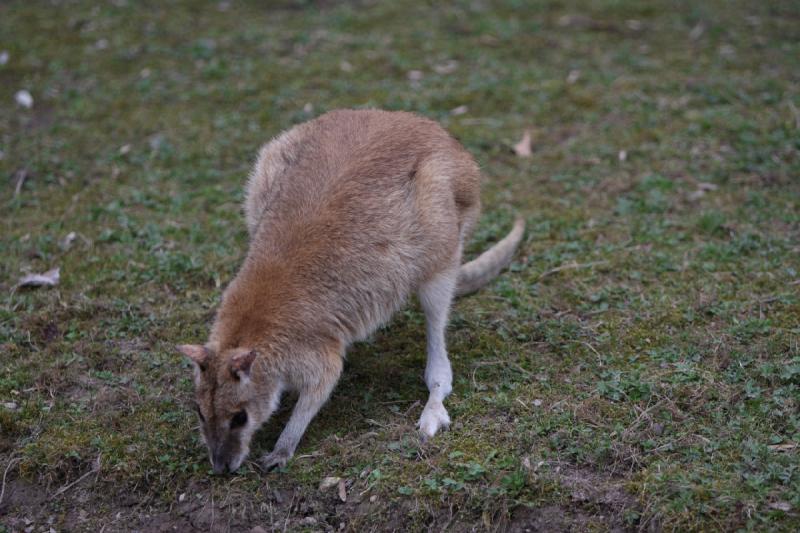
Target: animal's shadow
[381, 381]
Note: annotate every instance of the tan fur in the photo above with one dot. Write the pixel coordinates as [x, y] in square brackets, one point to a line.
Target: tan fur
[349, 215]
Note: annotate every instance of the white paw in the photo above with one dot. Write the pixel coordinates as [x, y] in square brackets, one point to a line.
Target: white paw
[434, 417]
[276, 459]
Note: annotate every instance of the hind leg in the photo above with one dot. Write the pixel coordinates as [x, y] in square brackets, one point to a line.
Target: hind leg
[435, 296]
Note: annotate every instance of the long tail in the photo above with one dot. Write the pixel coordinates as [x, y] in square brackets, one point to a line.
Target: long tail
[478, 272]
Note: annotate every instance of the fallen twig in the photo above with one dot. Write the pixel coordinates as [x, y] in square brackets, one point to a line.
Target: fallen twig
[568, 266]
[95, 469]
[11, 463]
[22, 175]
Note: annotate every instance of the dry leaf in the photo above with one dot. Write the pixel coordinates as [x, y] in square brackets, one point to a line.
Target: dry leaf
[781, 506]
[448, 67]
[329, 483]
[66, 243]
[523, 147]
[696, 195]
[460, 110]
[24, 99]
[702, 188]
[697, 31]
[342, 491]
[575, 21]
[782, 447]
[48, 279]
[634, 25]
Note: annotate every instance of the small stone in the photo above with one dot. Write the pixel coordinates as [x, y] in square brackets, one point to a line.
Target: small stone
[11, 406]
[308, 521]
[258, 529]
[3, 57]
[537, 402]
[24, 99]
[329, 483]
[460, 110]
[415, 75]
[182, 497]
[373, 498]
[573, 76]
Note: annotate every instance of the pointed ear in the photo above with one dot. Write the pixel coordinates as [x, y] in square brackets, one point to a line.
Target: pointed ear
[242, 362]
[198, 354]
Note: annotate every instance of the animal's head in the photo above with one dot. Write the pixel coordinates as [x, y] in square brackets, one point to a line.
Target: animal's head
[232, 401]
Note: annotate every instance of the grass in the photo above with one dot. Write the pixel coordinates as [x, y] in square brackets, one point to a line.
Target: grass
[638, 366]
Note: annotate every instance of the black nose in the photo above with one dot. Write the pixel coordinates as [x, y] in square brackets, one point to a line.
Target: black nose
[220, 465]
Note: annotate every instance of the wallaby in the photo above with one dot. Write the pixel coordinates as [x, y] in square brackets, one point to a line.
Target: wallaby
[348, 215]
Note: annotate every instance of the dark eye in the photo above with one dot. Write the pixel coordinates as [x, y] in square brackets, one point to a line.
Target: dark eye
[239, 419]
[200, 414]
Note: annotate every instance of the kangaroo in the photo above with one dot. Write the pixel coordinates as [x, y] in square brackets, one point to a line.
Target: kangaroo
[348, 215]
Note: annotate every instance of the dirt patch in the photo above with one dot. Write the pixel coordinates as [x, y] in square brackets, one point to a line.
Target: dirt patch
[597, 501]
[559, 518]
[21, 494]
[590, 487]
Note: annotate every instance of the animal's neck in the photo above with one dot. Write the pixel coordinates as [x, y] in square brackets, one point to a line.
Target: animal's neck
[255, 308]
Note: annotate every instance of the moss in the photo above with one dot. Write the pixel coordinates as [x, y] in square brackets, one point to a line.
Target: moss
[646, 331]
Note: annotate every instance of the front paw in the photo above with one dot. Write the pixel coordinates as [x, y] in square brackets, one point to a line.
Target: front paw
[434, 417]
[276, 459]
